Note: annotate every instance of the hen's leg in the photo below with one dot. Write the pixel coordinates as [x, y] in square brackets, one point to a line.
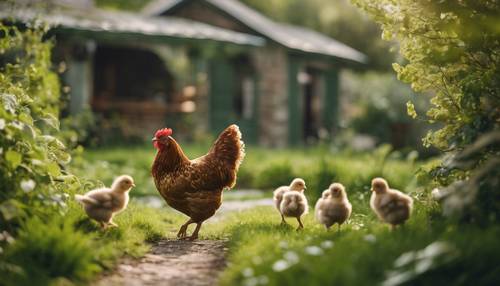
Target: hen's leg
[195, 232]
[300, 223]
[182, 231]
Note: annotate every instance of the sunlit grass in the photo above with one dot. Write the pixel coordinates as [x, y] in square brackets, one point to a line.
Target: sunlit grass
[75, 248]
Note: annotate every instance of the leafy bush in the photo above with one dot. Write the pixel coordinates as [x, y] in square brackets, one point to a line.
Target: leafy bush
[33, 159]
[376, 106]
[47, 253]
[452, 51]
[274, 175]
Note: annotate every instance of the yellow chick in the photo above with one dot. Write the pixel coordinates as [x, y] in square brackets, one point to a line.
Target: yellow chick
[297, 184]
[333, 207]
[391, 206]
[294, 204]
[102, 204]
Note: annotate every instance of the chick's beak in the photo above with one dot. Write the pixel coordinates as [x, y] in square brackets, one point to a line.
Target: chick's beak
[133, 185]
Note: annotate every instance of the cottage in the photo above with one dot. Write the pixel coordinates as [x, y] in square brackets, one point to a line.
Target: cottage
[197, 65]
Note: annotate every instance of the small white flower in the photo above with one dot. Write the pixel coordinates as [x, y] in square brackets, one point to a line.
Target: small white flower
[2, 123]
[263, 280]
[314, 250]
[247, 272]
[327, 244]
[291, 257]
[1, 151]
[17, 124]
[436, 194]
[283, 244]
[280, 265]
[28, 185]
[370, 238]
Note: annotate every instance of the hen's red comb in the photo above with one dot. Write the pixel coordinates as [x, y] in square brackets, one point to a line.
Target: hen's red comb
[163, 132]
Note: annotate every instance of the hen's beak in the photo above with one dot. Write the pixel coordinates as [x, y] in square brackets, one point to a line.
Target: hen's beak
[154, 139]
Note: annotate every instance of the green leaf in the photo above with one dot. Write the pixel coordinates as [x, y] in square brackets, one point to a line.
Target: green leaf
[410, 108]
[51, 121]
[53, 169]
[14, 158]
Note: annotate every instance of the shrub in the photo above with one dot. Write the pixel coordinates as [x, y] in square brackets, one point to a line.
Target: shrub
[275, 174]
[451, 50]
[33, 159]
[49, 251]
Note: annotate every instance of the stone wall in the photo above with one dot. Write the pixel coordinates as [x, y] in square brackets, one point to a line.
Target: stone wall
[271, 64]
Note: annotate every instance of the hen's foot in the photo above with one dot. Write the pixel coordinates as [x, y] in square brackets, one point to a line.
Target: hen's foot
[190, 238]
[182, 231]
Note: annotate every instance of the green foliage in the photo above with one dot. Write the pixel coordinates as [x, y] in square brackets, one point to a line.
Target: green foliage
[453, 51]
[49, 251]
[378, 101]
[32, 159]
[274, 175]
[365, 252]
[73, 249]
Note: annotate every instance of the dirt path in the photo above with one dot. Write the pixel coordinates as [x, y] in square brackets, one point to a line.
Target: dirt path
[173, 262]
[178, 262]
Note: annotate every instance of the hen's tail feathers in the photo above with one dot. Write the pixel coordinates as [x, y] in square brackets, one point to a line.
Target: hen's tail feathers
[86, 200]
[229, 149]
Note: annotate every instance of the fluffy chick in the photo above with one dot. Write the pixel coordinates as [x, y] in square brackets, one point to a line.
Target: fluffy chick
[294, 204]
[297, 184]
[102, 204]
[333, 207]
[391, 206]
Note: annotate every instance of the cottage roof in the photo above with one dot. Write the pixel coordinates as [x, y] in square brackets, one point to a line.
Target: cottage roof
[98, 20]
[292, 37]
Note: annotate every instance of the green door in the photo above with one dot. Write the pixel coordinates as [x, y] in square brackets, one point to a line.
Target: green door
[232, 99]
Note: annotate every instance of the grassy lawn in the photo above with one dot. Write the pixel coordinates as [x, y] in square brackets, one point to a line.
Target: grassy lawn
[264, 169]
[365, 252]
[261, 251]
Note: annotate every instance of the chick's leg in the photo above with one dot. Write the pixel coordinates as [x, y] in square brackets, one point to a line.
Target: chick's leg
[301, 226]
[112, 223]
[283, 221]
[182, 231]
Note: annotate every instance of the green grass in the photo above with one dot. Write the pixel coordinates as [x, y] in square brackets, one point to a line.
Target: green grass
[262, 168]
[256, 240]
[263, 252]
[75, 249]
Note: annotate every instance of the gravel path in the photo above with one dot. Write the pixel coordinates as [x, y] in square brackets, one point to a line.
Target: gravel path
[179, 262]
[173, 262]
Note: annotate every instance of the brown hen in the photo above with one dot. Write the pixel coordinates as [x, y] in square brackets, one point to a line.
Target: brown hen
[194, 187]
